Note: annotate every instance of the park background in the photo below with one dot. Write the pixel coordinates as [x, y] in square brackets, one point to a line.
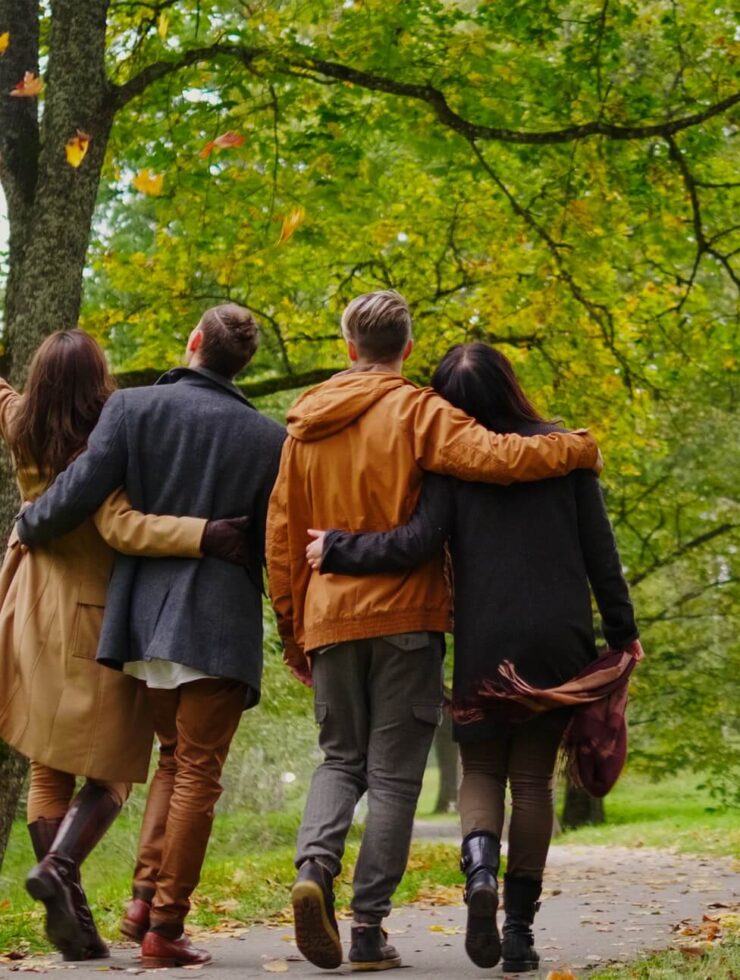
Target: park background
[559, 179]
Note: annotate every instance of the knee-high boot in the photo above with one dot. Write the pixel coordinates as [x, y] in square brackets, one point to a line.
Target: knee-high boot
[479, 862]
[521, 901]
[55, 880]
[42, 833]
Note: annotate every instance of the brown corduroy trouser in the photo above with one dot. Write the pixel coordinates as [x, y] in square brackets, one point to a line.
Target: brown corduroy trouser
[195, 724]
[51, 792]
[524, 756]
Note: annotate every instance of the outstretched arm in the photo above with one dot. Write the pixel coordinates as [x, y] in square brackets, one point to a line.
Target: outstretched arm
[80, 490]
[603, 566]
[450, 442]
[9, 399]
[404, 547]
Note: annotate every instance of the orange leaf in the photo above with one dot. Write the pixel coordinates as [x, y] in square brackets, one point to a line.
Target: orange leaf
[29, 86]
[76, 148]
[290, 223]
[148, 183]
[4, 42]
[565, 974]
[225, 141]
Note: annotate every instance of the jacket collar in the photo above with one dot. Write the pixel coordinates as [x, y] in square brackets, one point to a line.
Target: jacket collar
[179, 373]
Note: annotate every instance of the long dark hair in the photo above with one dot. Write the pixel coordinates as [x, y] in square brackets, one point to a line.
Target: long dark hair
[68, 384]
[481, 381]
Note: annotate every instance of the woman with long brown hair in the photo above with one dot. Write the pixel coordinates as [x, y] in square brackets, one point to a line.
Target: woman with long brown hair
[523, 558]
[68, 714]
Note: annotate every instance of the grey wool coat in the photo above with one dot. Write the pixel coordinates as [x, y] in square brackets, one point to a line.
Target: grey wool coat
[191, 445]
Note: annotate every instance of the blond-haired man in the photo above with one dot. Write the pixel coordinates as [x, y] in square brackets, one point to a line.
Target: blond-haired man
[356, 451]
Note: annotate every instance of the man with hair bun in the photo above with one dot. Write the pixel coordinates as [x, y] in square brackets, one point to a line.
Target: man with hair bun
[356, 451]
[190, 630]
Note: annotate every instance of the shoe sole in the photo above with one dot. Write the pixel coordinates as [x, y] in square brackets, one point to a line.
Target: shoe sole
[315, 936]
[376, 965]
[482, 940]
[62, 927]
[529, 966]
[168, 962]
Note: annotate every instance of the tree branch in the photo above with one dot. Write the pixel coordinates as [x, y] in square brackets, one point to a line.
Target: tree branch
[682, 550]
[19, 125]
[251, 388]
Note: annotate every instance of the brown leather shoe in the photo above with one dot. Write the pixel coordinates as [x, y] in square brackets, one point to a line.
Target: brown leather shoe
[158, 951]
[135, 923]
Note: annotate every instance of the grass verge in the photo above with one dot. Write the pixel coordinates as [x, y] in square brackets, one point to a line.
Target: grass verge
[717, 963]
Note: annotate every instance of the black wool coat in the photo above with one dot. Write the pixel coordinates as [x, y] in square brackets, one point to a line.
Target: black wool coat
[191, 445]
[523, 558]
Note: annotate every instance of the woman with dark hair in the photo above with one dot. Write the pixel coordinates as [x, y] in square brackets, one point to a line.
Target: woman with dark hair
[69, 715]
[523, 557]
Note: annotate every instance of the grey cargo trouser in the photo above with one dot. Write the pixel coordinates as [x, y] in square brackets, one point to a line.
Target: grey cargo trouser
[378, 703]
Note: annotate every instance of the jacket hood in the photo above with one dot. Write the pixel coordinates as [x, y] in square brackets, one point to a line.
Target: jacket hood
[332, 406]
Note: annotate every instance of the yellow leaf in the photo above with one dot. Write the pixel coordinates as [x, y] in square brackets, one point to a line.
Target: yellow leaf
[163, 24]
[4, 42]
[291, 221]
[275, 966]
[76, 148]
[446, 930]
[148, 183]
[29, 86]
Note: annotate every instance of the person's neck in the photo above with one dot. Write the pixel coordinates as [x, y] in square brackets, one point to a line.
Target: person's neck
[386, 367]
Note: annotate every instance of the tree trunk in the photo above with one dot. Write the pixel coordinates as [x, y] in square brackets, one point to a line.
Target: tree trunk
[448, 762]
[12, 774]
[580, 809]
[50, 211]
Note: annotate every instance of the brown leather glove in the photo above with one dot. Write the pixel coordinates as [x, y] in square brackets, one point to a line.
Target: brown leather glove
[227, 539]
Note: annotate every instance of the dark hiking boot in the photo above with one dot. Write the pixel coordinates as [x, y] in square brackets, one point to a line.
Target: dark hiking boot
[316, 930]
[55, 880]
[521, 902]
[479, 863]
[371, 950]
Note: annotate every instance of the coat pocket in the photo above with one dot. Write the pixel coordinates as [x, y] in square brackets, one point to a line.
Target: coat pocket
[88, 622]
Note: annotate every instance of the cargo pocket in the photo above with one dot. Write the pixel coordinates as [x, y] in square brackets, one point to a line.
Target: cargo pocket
[88, 622]
[320, 711]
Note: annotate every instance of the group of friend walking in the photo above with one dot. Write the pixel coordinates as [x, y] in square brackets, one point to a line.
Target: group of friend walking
[131, 605]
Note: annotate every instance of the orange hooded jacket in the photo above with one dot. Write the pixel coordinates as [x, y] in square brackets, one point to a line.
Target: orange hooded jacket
[354, 458]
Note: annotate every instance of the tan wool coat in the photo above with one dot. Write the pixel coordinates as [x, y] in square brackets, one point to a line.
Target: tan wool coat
[58, 705]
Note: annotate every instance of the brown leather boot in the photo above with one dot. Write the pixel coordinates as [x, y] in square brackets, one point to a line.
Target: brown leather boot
[42, 833]
[55, 880]
[135, 923]
[158, 951]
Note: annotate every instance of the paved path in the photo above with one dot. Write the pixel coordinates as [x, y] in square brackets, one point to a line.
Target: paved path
[600, 904]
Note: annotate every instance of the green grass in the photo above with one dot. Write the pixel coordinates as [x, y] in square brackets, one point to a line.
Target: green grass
[673, 813]
[718, 963]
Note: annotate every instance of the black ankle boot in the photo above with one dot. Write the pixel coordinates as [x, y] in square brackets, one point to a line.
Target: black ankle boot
[521, 902]
[55, 880]
[370, 949]
[479, 863]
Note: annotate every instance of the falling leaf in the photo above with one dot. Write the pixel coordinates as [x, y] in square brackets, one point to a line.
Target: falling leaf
[163, 24]
[149, 183]
[76, 148]
[29, 86]
[225, 141]
[291, 221]
[275, 966]
[4, 42]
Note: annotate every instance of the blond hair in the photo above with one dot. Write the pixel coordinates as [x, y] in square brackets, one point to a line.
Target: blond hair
[379, 325]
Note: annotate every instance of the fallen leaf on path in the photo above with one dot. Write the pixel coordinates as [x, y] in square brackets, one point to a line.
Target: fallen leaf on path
[275, 966]
[447, 930]
[561, 975]
[439, 895]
